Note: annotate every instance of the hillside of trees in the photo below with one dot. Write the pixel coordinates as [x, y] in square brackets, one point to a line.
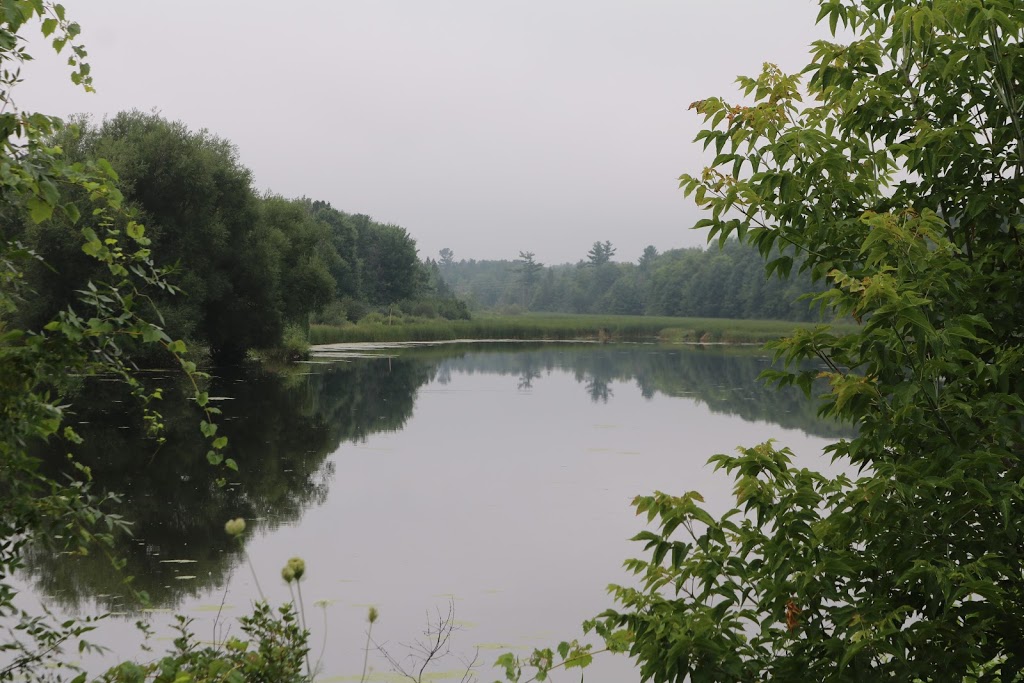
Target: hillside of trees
[710, 283]
[249, 266]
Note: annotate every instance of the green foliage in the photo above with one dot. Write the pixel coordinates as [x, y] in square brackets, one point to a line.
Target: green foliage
[200, 213]
[434, 298]
[390, 266]
[273, 652]
[724, 282]
[529, 270]
[899, 186]
[295, 342]
[304, 260]
[571, 654]
[727, 281]
[600, 254]
[106, 313]
[377, 267]
[251, 266]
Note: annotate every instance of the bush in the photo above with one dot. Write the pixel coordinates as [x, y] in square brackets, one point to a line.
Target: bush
[376, 318]
[274, 652]
[295, 342]
[421, 309]
[335, 313]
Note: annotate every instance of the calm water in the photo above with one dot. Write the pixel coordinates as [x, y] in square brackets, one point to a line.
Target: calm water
[494, 477]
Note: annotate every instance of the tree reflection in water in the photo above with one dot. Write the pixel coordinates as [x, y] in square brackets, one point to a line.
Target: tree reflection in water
[282, 425]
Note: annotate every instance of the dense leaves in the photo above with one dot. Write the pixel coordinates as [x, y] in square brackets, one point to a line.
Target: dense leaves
[250, 266]
[378, 271]
[900, 186]
[271, 651]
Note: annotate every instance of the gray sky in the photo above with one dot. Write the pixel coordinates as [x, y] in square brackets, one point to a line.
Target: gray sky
[486, 126]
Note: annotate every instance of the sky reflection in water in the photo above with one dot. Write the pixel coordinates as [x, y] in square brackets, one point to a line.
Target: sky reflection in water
[499, 476]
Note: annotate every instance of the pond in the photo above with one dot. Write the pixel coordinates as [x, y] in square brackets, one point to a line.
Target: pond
[492, 479]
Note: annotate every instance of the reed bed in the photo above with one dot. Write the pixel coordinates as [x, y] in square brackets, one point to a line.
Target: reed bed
[559, 327]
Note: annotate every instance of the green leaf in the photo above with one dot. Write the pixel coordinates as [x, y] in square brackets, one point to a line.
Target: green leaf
[107, 169]
[71, 211]
[152, 333]
[510, 664]
[93, 248]
[39, 210]
[136, 231]
[580, 658]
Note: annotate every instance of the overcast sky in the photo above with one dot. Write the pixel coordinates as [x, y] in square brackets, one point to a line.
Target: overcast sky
[487, 126]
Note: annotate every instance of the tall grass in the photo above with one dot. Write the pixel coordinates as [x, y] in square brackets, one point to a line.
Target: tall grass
[560, 327]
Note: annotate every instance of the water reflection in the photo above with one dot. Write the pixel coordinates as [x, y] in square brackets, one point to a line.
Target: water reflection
[721, 378]
[283, 425]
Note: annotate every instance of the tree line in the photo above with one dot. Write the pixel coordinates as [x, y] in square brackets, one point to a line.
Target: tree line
[250, 266]
[726, 282]
[254, 270]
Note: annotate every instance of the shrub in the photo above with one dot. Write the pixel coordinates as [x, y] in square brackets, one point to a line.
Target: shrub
[273, 652]
[295, 342]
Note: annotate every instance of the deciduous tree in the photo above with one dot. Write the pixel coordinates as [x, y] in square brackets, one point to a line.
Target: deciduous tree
[899, 183]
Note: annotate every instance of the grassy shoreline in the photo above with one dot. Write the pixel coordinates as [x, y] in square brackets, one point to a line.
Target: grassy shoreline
[562, 327]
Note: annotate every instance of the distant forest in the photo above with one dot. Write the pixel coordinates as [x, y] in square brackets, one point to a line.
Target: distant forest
[710, 283]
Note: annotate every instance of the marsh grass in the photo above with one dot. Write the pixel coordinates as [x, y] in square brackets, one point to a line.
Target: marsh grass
[561, 327]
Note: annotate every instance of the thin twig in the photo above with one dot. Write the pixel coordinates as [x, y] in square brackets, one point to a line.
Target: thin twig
[366, 652]
[253, 570]
[302, 616]
[220, 611]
